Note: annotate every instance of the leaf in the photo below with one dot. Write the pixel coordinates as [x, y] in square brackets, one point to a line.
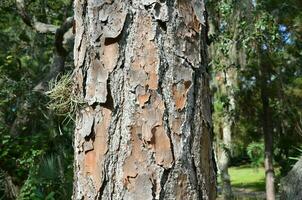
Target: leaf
[50, 196]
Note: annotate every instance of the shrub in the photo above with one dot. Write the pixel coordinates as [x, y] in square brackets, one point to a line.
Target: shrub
[255, 151]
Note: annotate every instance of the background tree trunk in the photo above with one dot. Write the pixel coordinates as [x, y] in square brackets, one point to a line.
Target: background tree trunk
[227, 130]
[225, 83]
[224, 129]
[267, 130]
[145, 132]
[224, 160]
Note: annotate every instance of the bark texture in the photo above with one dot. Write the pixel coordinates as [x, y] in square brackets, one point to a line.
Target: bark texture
[145, 132]
[291, 188]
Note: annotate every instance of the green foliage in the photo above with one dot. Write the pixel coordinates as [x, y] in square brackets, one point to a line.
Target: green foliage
[295, 88]
[255, 151]
[298, 156]
[247, 32]
[29, 189]
[51, 180]
[29, 131]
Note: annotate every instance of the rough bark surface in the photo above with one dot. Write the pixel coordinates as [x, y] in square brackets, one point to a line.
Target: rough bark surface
[145, 132]
[291, 188]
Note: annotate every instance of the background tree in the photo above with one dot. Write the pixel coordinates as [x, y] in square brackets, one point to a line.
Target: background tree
[227, 56]
[266, 42]
[263, 32]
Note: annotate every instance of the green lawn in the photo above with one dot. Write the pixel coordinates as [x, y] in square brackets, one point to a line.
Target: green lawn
[248, 178]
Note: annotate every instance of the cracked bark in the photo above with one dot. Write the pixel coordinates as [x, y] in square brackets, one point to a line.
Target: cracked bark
[145, 132]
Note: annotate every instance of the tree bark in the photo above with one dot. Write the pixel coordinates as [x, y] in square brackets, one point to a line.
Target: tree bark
[145, 131]
[291, 188]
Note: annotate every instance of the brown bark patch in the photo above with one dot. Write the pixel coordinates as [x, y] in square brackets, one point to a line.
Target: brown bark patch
[145, 51]
[94, 158]
[136, 160]
[182, 187]
[142, 96]
[148, 135]
[142, 99]
[153, 131]
[162, 147]
[90, 163]
[179, 92]
[110, 55]
[176, 125]
[186, 11]
[151, 117]
[92, 169]
[153, 81]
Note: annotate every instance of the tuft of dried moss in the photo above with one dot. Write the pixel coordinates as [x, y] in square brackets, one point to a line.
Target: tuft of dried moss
[63, 101]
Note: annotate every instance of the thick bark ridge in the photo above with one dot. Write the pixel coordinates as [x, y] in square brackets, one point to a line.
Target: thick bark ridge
[145, 132]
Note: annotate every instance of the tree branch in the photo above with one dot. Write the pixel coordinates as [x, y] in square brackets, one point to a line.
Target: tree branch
[59, 56]
[11, 190]
[32, 22]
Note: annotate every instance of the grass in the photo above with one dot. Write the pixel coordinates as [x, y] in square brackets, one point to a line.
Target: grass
[248, 178]
[248, 183]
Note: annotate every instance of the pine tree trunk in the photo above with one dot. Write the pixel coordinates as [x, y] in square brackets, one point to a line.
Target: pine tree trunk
[145, 133]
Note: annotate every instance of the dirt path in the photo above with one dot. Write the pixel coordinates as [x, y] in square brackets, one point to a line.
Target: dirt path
[242, 193]
[247, 194]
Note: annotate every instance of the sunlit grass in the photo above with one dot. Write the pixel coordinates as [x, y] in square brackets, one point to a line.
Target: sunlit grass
[247, 177]
[250, 178]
